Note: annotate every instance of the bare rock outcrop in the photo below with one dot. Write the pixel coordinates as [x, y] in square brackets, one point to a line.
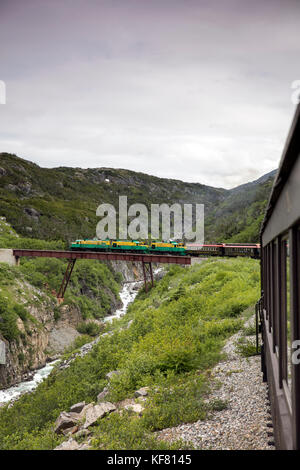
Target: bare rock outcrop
[65, 421]
[102, 395]
[142, 392]
[72, 444]
[135, 407]
[78, 407]
[96, 412]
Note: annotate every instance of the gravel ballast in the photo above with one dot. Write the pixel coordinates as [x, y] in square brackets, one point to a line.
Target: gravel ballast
[245, 424]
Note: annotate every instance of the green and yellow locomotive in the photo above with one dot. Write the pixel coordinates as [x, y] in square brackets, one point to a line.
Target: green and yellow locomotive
[129, 246]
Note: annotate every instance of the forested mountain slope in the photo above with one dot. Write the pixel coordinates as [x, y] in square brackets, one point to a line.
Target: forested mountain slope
[60, 203]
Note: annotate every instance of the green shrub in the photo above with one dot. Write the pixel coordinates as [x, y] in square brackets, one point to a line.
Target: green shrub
[127, 432]
[8, 320]
[90, 328]
[37, 440]
[175, 404]
[249, 330]
[21, 358]
[21, 312]
[247, 348]
[78, 342]
[57, 313]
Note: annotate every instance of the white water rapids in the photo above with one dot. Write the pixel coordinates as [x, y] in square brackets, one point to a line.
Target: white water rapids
[127, 295]
[14, 392]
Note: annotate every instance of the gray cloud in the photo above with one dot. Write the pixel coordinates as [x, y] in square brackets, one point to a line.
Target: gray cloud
[195, 90]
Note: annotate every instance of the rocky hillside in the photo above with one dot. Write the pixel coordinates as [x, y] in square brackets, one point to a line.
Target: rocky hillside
[60, 203]
[29, 321]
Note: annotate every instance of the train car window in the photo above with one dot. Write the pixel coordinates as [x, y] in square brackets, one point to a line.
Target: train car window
[278, 290]
[266, 281]
[269, 277]
[275, 303]
[286, 317]
[272, 292]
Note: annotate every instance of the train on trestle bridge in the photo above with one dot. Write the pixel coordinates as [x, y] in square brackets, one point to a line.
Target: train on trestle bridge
[168, 247]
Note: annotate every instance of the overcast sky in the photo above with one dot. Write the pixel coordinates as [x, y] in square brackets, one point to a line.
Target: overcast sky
[198, 90]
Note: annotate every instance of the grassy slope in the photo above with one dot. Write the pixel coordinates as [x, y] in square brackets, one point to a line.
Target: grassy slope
[176, 336]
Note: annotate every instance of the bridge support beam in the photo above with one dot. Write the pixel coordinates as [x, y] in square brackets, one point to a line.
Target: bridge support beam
[145, 259]
[147, 272]
[65, 282]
